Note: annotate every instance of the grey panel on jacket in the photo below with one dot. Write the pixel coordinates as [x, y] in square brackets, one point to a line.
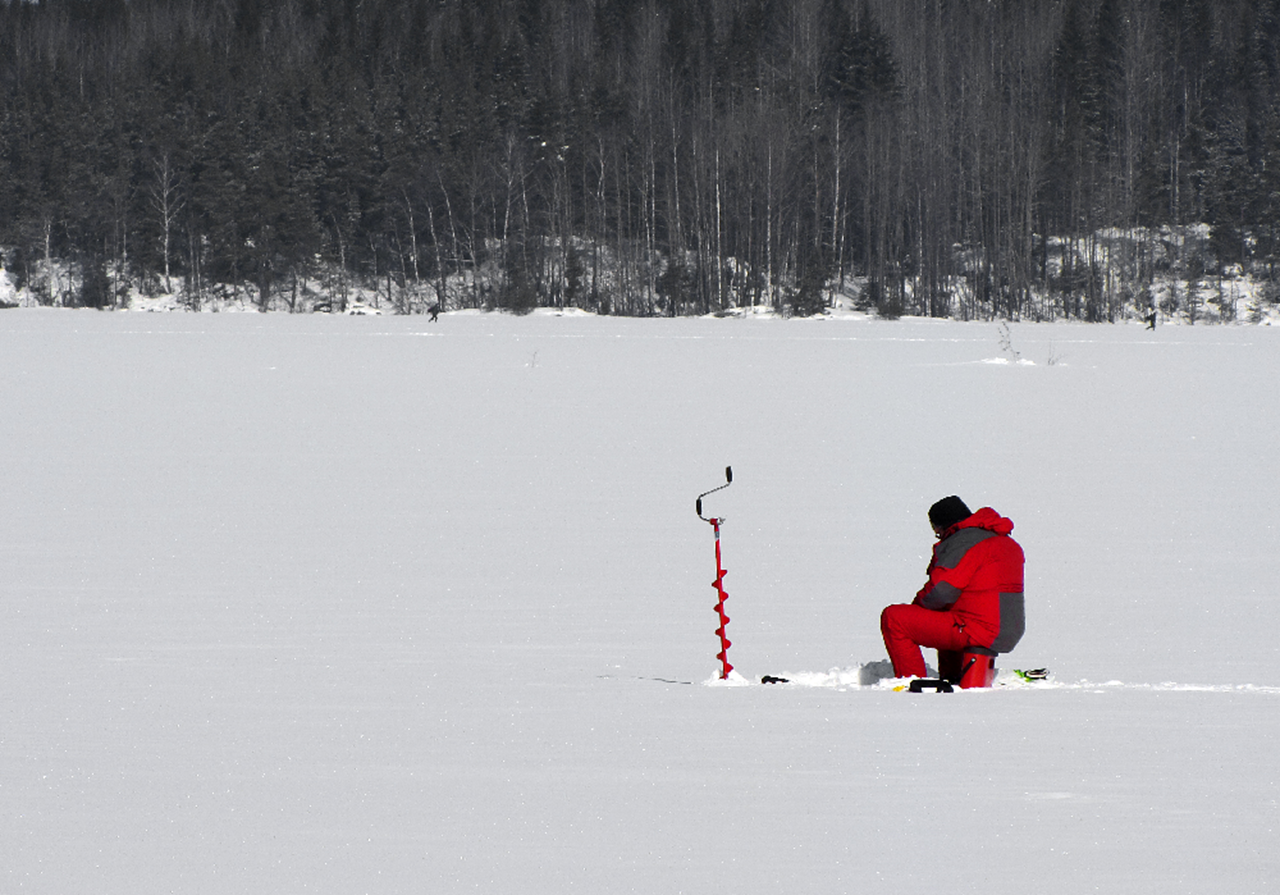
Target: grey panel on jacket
[940, 596]
[1013, 622]
[951, 550]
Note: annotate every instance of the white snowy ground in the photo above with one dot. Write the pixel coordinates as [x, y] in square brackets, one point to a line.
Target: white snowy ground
[372, 605]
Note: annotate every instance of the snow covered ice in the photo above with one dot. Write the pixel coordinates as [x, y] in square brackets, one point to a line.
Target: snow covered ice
[373, 605]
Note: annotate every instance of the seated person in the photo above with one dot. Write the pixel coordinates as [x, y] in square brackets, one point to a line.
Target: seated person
[973, 597]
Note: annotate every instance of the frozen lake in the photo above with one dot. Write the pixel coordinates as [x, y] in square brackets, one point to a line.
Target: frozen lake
[374, 605]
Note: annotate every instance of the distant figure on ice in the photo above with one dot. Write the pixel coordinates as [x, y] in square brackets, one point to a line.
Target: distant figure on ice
[434, 311]
[1151, 319]
[973, 596]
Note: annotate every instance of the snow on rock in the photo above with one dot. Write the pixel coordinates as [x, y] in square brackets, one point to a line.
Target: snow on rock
[8, 294]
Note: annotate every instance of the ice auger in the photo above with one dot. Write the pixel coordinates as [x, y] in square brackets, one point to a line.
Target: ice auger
[718, 584]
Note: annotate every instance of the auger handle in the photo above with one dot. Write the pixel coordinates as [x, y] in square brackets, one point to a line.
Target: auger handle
[728, 480]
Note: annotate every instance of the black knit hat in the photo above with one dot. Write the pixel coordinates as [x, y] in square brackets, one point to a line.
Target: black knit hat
[947, 512]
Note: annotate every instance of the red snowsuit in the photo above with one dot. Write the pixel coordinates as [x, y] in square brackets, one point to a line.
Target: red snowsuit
[973, 596]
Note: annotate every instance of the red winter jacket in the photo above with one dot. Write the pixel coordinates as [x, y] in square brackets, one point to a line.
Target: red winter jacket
[976, 574]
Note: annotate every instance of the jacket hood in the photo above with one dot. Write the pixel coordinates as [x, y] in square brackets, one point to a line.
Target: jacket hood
[985, 518]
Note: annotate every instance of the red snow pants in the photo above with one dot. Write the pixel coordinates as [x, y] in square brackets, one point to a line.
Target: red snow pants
[907, 627]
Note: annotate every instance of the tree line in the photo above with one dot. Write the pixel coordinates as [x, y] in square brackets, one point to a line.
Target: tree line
[644, 157]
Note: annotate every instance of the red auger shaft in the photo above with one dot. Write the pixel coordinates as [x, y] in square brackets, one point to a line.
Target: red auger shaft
[718, 584]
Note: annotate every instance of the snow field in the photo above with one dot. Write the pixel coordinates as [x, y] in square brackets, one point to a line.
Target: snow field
[338, 605]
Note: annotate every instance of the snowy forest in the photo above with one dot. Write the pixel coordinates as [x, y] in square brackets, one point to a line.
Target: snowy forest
[982, 159]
